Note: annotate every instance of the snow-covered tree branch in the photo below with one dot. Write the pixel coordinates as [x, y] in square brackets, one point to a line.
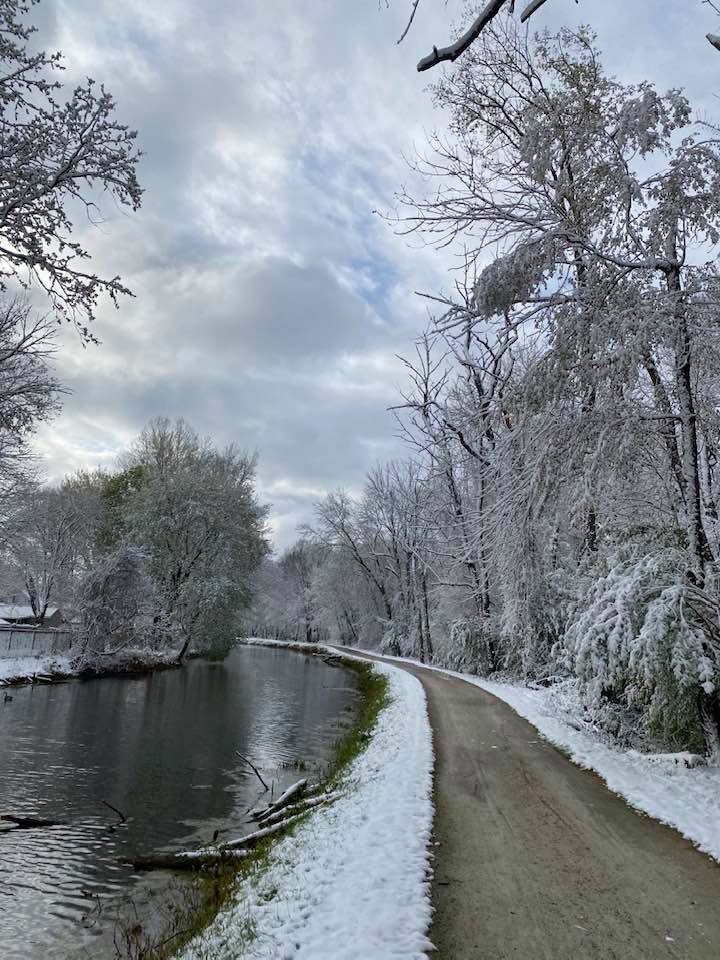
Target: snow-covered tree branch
[55, 156]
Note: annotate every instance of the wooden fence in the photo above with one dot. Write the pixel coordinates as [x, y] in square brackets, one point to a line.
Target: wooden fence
[28, 641]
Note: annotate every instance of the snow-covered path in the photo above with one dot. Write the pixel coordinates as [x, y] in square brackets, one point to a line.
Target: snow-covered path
[353, 882]
[538, 860]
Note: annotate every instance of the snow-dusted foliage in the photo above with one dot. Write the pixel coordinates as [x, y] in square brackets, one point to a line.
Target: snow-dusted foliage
[479, 16]
[56, 155]
[510, 279]
[286, 602]
[40, 547]
[28, 389]
[194, 512]
[116, 605]
[558, 512]
[160, 554]
[646, 636]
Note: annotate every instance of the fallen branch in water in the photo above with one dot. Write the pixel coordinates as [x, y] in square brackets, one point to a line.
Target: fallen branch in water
[188, 859]
[332, 660]
[123, 818]
[254, 805]
[282, 801]
[207, 857]
[274, 819]
[300, 807]
[250, 764]
[252, 839]
[29, 823]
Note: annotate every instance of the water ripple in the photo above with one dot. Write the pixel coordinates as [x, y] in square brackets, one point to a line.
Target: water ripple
[159, 748]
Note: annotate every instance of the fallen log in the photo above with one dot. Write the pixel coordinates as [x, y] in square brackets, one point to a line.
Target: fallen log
[293, 791]
[29, 823]
[203, 859]
[252, 839]
[332, 661]
[120, 814]
[296, 790]
[232, 850]
[208, 857]
[254, 768]
[297, 808]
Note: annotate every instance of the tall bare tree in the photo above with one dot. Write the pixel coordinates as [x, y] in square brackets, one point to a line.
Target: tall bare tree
[55, 155]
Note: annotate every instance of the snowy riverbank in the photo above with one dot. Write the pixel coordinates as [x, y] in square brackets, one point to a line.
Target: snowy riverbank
[660, 785]
[55, 668]
[354, 880]
[30, 669]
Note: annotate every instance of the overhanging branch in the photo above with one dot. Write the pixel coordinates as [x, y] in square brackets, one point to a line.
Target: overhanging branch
[456, 49]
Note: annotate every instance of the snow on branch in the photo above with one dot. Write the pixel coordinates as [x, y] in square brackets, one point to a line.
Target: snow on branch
[456, 49]
[530, 9]
[410, 21]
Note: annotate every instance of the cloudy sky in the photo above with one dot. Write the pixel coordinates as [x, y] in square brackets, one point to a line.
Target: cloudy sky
[271, 300]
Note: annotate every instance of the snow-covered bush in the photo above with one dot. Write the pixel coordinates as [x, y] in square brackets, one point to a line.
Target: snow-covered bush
[467, 647]
[564, 402]
[512, 278]
[116, 605]
[392, 644]
[401, 639]
[646, 636]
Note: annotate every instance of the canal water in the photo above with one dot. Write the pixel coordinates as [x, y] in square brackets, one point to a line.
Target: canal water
[160, 749]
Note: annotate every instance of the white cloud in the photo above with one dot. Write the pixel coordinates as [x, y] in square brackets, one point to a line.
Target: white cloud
[271, 300]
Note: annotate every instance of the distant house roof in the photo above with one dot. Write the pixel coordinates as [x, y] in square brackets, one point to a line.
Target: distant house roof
[14, 611]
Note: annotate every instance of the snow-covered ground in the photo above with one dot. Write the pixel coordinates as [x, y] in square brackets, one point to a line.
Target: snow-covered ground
[353, 882]
[58, 666]
[659, 785]
[14, 667]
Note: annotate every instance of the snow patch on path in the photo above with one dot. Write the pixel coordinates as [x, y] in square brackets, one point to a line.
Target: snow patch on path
[353, 883]
[686, 799]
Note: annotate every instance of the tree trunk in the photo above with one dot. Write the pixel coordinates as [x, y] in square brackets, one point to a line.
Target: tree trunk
[591, 530]
[698, 546]
[485, 576]
[428, 636]
[184, 648]
[591, 517]
[469, 563]
[709, 708]
[667, 429]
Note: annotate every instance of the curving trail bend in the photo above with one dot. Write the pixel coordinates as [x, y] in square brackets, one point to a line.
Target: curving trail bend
[538, 860]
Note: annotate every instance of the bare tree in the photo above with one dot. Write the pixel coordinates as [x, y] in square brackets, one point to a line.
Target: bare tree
[116, 604]
[338, 525]
[297, 566]
[29, 393]
[53, 156]
[482, 19]
[40, 538]
[586, 212]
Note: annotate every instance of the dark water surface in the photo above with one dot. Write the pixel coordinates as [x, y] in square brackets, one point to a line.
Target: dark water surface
[161, 749]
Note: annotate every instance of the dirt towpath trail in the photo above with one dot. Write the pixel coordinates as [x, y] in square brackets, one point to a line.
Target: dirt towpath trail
[538, 860]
